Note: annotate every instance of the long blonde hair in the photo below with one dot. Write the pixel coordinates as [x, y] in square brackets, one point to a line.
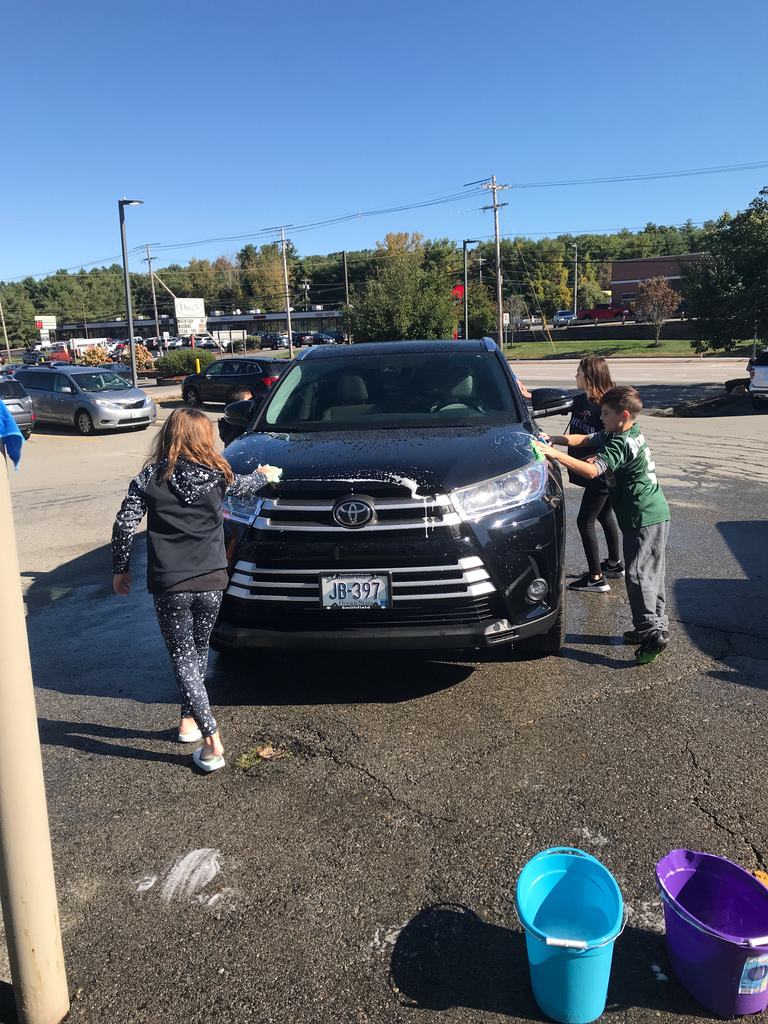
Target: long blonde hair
[597, 375]
[187, 434]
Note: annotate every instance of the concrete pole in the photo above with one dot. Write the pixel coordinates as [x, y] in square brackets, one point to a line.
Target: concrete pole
[5, 333]
[27, 884]
[287, 296]
[154, 297]
[121, 204]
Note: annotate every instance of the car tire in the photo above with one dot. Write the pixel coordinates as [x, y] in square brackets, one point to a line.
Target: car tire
[759, 404]
[83, 422]
[192, 398]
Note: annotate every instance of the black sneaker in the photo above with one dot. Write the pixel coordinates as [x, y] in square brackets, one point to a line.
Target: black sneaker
[631, 638]
[587, 584]
[613, 570]
[650, 649]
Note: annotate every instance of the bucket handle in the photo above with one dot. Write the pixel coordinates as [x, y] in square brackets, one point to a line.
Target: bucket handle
[675, 906]
[579, 944]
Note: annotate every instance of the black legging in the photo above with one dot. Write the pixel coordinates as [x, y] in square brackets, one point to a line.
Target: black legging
[186, 621]
[596, 507]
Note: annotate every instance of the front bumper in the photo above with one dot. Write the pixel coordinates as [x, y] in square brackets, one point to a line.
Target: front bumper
[227, 637]
[109, 419]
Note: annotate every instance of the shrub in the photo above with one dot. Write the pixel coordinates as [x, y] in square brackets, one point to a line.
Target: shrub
[176, 364]
[94, 356]
[144, 360]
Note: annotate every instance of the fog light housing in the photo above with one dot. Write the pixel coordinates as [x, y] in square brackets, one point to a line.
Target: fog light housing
[536, 591]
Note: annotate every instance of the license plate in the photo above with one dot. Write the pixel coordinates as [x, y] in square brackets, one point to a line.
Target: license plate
[355, 590]
[136, 413]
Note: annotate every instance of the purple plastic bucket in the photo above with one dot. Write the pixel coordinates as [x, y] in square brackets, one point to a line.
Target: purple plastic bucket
[716, 916]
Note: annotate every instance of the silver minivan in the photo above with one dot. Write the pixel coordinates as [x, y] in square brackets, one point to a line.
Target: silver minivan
[89, 398]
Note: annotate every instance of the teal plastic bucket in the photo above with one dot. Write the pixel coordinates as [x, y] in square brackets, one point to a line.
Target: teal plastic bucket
[571, 908]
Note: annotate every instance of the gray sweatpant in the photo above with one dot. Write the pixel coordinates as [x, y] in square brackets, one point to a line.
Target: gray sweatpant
[644, 558]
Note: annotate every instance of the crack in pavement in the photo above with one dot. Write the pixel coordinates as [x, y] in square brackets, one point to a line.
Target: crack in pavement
[696, 799]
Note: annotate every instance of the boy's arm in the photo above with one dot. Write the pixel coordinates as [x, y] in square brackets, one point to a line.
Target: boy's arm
[582, 468]
[572, 440]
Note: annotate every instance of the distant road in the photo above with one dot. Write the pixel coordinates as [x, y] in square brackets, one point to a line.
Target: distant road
[661, 382]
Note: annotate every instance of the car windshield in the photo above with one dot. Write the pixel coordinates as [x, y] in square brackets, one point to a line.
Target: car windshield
[389, 391]
[762, 359]
[102, 380]
[11, 389]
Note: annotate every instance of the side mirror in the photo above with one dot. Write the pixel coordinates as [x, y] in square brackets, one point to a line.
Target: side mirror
[240, 414]
[67, 391]
[551, 402]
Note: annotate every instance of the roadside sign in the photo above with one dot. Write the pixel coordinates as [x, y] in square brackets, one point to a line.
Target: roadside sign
[45, 323]
[505, 319]
[190, 316]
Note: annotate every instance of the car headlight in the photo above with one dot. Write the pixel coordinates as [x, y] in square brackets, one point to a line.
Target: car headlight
[105, 403]
[501, 493]
[241, 508]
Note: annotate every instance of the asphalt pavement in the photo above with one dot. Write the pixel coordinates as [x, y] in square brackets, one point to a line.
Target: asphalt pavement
[370, 871]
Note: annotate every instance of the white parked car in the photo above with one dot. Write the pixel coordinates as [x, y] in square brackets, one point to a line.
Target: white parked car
[758, 384]
[563, 317]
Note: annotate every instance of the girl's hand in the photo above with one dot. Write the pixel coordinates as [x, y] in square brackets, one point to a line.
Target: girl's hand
[121, 582]
[272, 473]
[544, 438]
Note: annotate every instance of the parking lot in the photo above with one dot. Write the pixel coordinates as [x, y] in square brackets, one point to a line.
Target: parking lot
[371, 870]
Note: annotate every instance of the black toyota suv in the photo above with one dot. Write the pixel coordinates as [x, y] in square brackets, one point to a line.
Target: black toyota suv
[412, 511]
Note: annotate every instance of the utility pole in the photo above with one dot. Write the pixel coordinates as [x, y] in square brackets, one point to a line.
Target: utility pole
[575, 277]
[27, 883]
[305, 289]
[5, 333]
[154, 297]
[85, 322]
[287, 295]
[493, 187]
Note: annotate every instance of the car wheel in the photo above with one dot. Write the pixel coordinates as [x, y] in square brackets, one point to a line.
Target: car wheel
[83, 422]
[759, 404]
[192, 398]
[26, 434]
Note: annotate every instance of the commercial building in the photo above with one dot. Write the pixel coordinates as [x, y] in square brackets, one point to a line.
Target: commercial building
[626, 275]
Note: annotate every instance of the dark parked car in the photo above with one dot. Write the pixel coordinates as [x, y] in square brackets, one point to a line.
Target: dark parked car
[413, 510]
[302, 338]
[212, 383]
[322, 338]
[274, 341]
[19, 404]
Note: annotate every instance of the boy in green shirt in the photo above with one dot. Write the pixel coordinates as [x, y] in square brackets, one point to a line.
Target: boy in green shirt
[640, 507]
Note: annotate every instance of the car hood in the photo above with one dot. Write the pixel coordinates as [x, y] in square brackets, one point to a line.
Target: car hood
[426, 462]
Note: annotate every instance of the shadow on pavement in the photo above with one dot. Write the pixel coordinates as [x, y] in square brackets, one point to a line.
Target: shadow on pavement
[725, 617]
[447, 957]
[663, 396]
[93, 739]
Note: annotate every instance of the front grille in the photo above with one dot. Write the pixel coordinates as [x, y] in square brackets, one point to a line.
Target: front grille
[315, 514]
[133, 420]
[131, 405]
[289, 618]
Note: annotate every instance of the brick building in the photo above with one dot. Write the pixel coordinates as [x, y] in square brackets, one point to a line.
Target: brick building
[626, 275]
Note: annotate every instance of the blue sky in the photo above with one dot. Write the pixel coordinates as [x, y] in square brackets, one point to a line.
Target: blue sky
[233, 116]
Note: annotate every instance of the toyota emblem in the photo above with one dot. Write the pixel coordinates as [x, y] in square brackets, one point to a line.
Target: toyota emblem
[353, 513]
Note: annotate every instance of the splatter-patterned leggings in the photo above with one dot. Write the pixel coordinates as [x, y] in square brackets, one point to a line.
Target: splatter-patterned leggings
[186, 622]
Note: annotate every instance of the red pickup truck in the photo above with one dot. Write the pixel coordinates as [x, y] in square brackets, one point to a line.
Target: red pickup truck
[604, 311]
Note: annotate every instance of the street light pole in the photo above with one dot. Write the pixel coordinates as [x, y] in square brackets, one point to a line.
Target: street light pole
[496, 206]
[121, 203]
[467, 241]
[575, 277]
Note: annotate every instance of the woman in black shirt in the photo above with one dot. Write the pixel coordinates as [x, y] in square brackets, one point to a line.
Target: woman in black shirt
[180, 490]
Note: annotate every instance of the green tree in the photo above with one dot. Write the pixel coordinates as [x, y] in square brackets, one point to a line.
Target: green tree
[656, 300]
[402, 301]
[19, 314]
[728, 287]
[482, 311]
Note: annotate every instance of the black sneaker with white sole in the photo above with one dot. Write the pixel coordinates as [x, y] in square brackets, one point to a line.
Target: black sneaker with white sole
[613, 570]
[587, 584]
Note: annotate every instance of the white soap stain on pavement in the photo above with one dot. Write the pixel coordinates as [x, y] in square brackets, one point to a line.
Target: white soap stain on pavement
[660, 975]
[594, 838]
[386, 936]
[190, 874]
[645, 914]
[188, 878]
